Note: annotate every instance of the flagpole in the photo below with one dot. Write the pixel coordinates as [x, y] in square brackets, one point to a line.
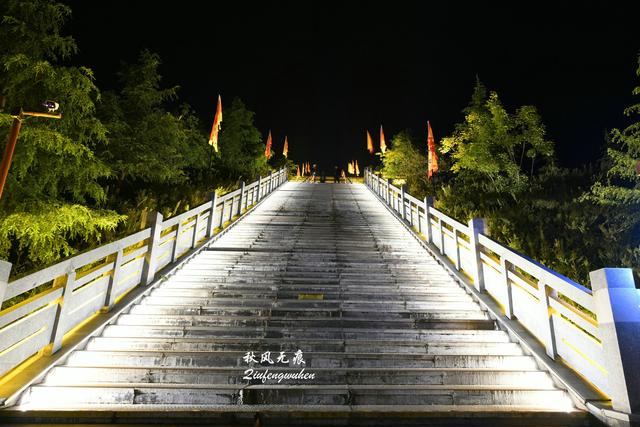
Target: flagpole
[211, 165]
[213, 137]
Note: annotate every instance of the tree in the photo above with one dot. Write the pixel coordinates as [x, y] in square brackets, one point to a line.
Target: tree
[618, 193]
[494, 155]
[53, 199]
[148, 144]
[158, 157]
[403, 161]
[241, 154]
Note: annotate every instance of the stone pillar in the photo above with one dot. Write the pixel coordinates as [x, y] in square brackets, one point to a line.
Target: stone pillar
[212, 225]
[5, 271]
[617, 305]
[428, 204]
[241, 198]
[402, 208]
[476, 226]
[151, 261]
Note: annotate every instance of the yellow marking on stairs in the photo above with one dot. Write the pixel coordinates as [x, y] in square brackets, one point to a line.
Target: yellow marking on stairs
[310, 296]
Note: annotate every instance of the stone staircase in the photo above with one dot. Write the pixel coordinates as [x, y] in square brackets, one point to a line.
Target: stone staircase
[326, 271]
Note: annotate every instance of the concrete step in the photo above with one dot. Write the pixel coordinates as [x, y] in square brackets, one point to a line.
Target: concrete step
[417, 320]
[358, 346]
[63, 375]
[297, 415]
[266, 394]
[241, 333]
[347, 292]
[275, 312]
[302, 301]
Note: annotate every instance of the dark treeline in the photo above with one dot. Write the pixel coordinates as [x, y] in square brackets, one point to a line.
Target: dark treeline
[499, 165]
[115, 155]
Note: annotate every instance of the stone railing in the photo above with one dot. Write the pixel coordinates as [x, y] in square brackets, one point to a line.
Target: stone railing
[596, 332]
[94, 281]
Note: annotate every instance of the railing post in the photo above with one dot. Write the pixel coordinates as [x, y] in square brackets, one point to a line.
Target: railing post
[389, 198]
[505, 268]
[150, 259]
[476, 226]
[174, 252]
[231, 209]
[196, 226]
[403, 208]
[548, 326]
[5, 271]
[242, 198]
[456, 260]
[259, 187]
[212, 226]
[110, 297]
[253, 196]
[428, 204]
[411, 213]
[617, 306]
[221, 224]
[59, 324]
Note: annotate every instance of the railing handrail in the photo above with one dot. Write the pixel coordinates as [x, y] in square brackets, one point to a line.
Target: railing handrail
[593, 331]
[81, 289]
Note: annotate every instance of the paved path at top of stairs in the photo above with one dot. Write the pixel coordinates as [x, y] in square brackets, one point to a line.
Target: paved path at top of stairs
[326, 271]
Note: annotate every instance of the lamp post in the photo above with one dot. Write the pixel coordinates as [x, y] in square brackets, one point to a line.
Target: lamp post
[13, 137]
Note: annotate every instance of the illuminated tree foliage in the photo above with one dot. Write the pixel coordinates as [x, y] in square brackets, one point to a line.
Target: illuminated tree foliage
[502, 169]
[241, 148]
[403, 161]
[53, 198]
[147, 143]
[495, 152]
[618, 193]
[158, 157]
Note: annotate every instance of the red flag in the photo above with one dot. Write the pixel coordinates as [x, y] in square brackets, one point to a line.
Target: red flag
[267, 151]
[285, 150]
[433, 156]
[217, 120]
[369, 143]
[383, 145]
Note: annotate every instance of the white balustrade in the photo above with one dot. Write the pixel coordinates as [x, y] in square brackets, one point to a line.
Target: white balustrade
[94, 281]
[597, 339]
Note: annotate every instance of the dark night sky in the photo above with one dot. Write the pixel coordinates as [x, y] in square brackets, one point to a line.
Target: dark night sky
[324, 72]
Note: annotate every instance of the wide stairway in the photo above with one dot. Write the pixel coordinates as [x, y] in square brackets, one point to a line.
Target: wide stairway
[348, 320]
